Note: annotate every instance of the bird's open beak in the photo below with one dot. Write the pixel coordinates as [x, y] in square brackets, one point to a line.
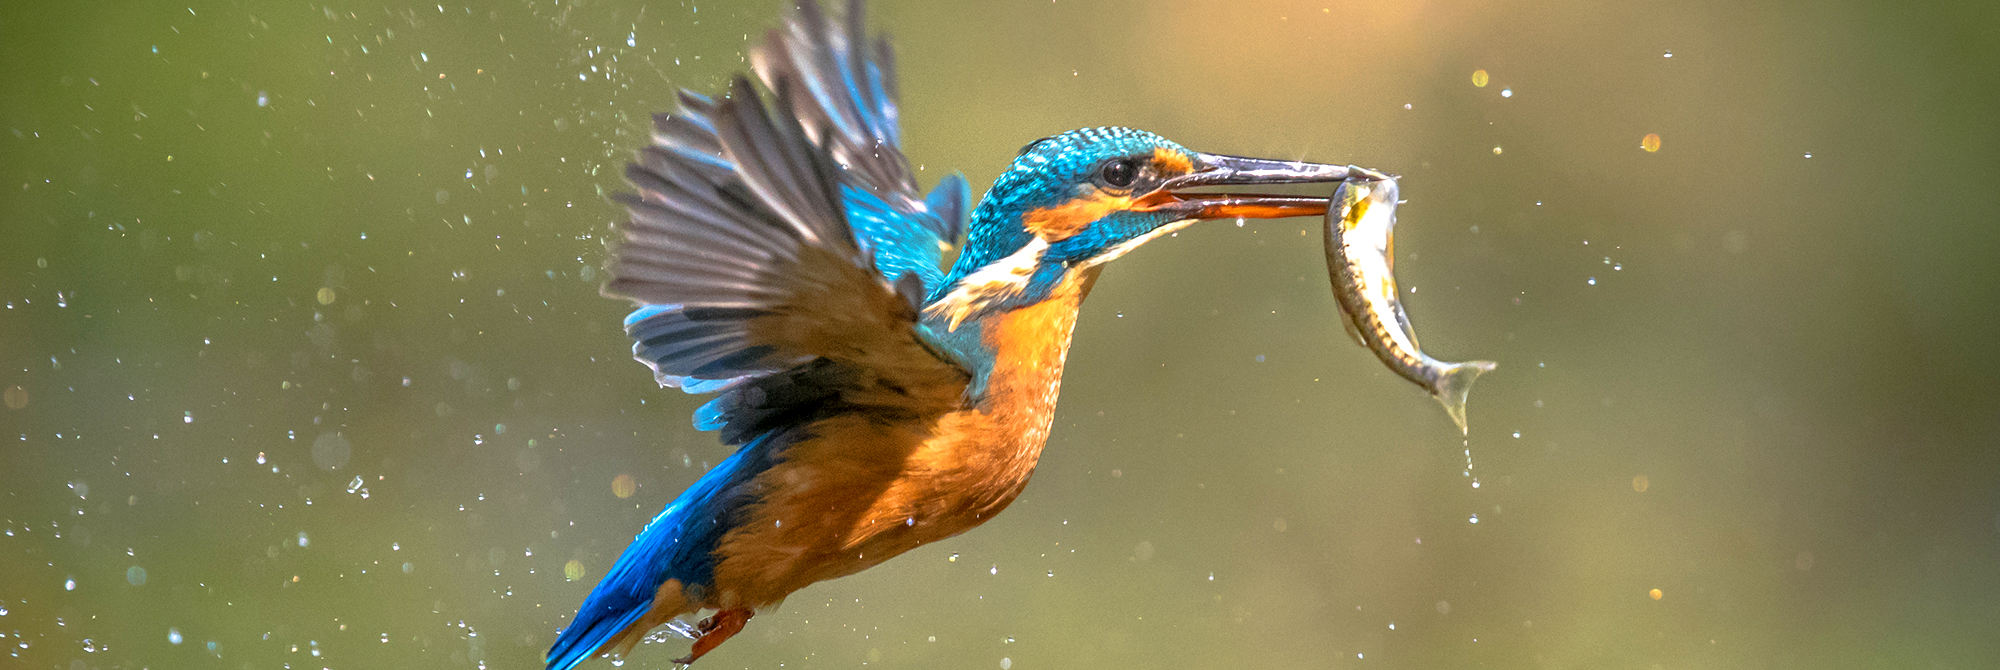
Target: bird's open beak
[1224, 171]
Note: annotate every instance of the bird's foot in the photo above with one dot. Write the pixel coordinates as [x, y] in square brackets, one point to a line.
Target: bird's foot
[713, 631]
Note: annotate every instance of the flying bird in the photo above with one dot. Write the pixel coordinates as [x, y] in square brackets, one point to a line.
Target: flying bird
[783, 258]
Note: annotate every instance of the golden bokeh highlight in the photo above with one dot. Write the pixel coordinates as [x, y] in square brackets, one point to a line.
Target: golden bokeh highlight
[1479, 78]
[326, 295]
[1641, 483]
[16, 397]
[1656, 594]
[1651, 142]
[573, 570]
[623, 486]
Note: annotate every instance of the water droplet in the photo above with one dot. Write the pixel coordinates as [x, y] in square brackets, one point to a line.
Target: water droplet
[1591, 281]
[994, 570]
[1506, 93]
[263, 99]
[951, 559]
[1474, 519]
[632, 39]
[69, 584]
[173, 636]
[1669, 54]
[302, 539]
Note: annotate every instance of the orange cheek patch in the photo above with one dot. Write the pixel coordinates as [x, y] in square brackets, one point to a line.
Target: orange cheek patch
[1061, 222]
[1172, 162]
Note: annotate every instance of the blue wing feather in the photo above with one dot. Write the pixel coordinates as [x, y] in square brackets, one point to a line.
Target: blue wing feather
[843, 91]
[756, 246]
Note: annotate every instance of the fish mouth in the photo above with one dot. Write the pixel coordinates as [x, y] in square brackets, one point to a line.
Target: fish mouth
[1213, 170]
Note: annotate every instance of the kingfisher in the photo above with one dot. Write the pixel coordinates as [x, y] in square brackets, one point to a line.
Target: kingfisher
[782, 257]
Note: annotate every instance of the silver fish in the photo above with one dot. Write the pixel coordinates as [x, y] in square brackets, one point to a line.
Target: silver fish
[1360, 257]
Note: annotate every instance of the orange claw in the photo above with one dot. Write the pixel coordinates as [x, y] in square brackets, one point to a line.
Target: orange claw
[715, 630]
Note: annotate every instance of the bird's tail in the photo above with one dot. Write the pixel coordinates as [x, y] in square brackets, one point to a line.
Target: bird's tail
[1455, 384]
[587, 636]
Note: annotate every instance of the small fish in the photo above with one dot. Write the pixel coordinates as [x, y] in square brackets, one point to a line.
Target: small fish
[1360, 257]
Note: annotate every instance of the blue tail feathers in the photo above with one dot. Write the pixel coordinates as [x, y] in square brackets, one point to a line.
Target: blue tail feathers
[678, 544]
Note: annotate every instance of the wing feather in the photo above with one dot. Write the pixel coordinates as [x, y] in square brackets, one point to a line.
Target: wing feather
[752, 281]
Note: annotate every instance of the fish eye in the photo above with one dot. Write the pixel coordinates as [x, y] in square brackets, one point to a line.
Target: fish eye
[1119, 173]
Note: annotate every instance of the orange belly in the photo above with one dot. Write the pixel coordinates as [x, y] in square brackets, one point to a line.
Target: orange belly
[860, 491]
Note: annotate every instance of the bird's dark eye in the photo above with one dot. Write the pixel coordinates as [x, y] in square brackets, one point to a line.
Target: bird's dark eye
[1120, 172]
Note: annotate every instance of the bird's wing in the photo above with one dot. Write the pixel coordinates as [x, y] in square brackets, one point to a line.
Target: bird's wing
[749, 277]
[843, 86]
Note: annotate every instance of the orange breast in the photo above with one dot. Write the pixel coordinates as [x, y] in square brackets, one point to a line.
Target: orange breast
[860, 491]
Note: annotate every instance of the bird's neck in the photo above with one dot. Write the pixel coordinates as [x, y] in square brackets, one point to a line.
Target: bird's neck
[1017, 355]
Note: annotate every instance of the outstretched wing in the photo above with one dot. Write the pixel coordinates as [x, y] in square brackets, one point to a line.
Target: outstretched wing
[843, 86]
[750, 278]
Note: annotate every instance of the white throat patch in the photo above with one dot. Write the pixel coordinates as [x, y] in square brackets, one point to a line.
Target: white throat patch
[998, 280]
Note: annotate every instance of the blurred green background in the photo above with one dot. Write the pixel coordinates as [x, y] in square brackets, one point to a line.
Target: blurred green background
[305, 367]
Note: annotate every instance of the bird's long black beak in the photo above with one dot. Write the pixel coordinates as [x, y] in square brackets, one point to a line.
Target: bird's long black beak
[1226, 171]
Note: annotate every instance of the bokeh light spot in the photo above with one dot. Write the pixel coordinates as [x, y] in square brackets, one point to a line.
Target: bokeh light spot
[623, 486]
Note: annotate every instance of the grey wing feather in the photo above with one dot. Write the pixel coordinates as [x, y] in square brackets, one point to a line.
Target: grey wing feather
[739, 252]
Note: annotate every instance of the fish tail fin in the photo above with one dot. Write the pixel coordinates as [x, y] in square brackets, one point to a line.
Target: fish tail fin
[1457, 382]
